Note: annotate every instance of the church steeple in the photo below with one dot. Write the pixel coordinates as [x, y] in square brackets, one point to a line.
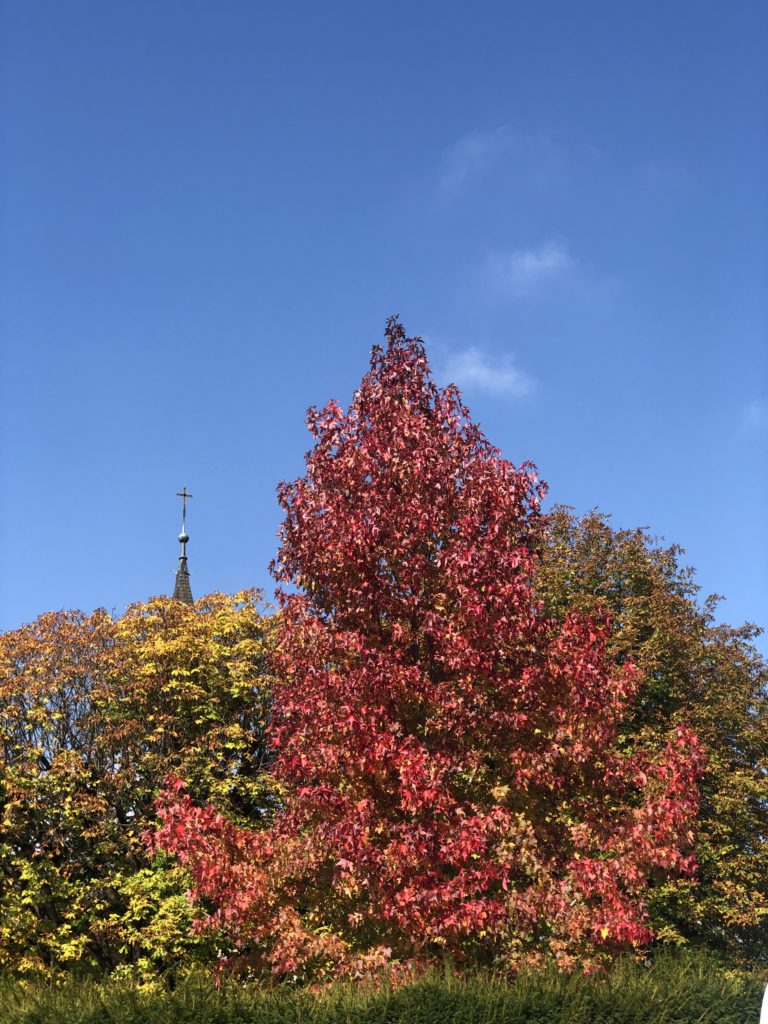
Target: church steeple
[182, 590]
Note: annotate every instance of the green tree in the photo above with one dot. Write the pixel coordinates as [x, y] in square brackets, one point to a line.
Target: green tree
[696, 671]
[94, 712]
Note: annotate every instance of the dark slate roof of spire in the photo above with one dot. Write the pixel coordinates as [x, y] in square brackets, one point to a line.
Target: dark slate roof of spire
[182, 590]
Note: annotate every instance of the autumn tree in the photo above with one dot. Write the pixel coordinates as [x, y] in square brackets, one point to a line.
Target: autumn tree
[95, 711]
[453, 759]
[696, 670]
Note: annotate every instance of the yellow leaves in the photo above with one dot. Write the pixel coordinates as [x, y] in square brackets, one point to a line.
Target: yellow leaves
[103, 710]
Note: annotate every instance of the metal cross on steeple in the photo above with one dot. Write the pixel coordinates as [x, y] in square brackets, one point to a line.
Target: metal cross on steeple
[184, 494]
[182, 590]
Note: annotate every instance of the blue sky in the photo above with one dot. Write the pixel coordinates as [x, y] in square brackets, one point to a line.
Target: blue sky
[209, 209]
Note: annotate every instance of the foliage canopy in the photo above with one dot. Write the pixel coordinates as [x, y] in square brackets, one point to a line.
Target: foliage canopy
[472, 729]
[695, 670]
[94, 712]
[455, 775]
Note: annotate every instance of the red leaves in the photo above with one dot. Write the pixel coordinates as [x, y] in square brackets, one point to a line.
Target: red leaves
[448, 752]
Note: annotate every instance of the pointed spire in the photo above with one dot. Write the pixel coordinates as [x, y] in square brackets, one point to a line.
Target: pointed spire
[182, 590]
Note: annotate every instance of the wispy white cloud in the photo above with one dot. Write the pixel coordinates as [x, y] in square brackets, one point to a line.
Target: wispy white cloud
[754, 417]
[536, 159]
[523, 272]
[473, 369]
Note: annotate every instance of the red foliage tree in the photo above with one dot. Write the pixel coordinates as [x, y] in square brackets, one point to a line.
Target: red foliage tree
[451, 756]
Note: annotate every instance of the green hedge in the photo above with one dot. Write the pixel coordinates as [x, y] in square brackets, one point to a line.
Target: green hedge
[674, 990]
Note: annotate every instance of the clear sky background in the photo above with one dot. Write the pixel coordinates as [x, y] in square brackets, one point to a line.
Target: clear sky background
[210, 208]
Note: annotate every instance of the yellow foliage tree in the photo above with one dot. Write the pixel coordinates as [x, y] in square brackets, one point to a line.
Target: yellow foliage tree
[95, 711]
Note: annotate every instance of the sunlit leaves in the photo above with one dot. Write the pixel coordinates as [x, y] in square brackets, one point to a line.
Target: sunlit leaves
[94, 712]
[696, 670]
[451, 752]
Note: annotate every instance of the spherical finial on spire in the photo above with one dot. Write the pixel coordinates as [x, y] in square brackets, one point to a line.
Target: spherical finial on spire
[183, 536]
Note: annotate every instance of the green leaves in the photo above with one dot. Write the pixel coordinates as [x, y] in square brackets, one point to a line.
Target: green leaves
[695, 671]
[683, 989]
